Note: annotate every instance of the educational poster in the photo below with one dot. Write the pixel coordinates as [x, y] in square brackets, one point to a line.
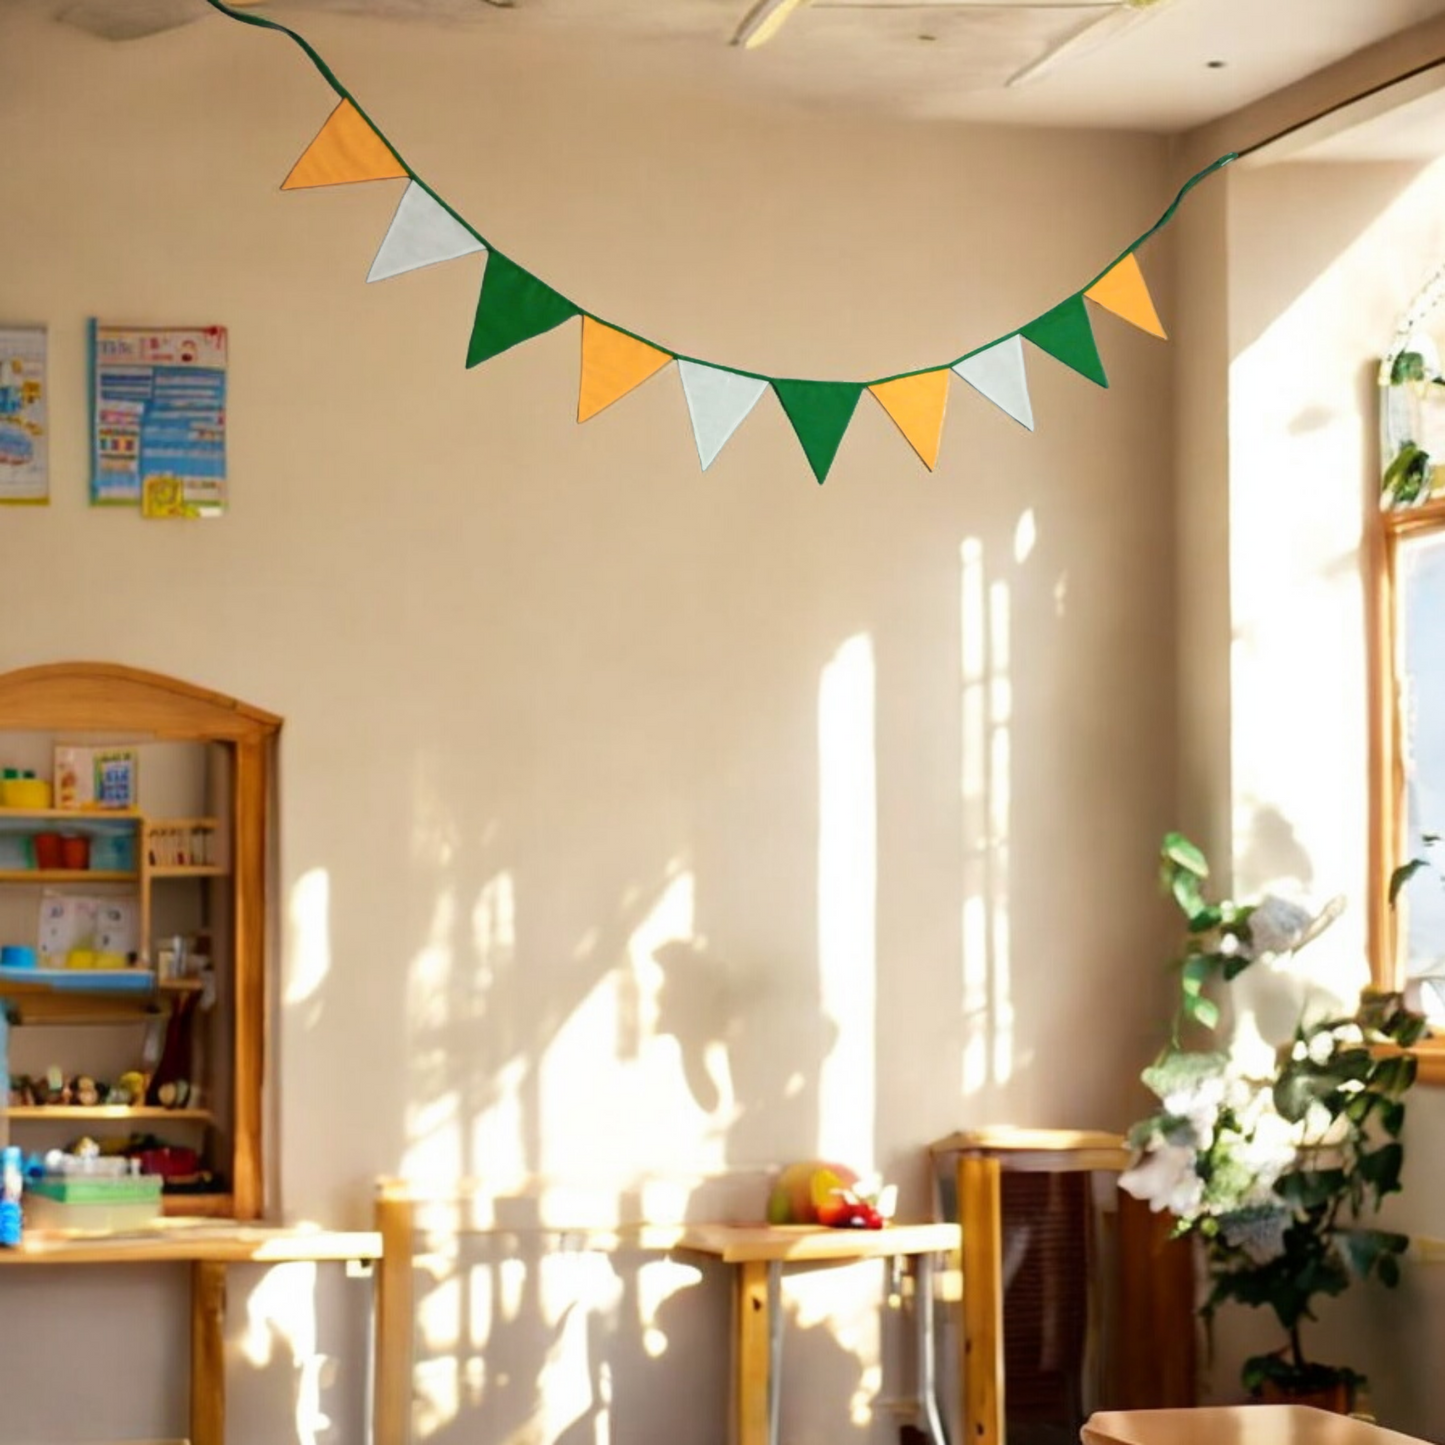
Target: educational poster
[24, 468]
[158, 406]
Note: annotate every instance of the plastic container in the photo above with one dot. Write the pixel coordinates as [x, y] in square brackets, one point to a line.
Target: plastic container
[47, 850]
[18, 955]
[74, 852]
[30, 793]
[12, 1182]
[81, 1202]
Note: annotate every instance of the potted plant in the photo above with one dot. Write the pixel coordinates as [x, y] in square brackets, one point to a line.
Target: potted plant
[1274, 1163]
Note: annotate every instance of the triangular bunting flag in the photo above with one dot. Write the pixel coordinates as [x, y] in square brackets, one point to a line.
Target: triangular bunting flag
[916, 404]
[820, 412]
[346, 149]
[514, 306]
[612, 364]
[999, 374]
[421, 233]
[1125, 292]
[1067, 334]
[718, 402]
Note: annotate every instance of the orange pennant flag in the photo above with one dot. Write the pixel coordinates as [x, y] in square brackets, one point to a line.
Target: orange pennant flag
[1124, 292]
[612, 364]
[916, 404]
[345, 150]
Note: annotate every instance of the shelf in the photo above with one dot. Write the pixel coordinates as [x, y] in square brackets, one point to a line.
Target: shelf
[101, 1112]
[198, 1206]
[65, 875]
[197, 870]
[71, 815]
[40, 1003]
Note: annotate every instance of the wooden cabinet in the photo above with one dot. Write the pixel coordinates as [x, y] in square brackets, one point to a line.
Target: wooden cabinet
[190, 863]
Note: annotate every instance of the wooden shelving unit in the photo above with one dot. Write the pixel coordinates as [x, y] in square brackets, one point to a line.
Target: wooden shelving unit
[202, 878]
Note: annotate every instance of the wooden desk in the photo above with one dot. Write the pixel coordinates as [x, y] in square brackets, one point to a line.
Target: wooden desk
[1236, 1425]
[758, 1253]
[208, 1247]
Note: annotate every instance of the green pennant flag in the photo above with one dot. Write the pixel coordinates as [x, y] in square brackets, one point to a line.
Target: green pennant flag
[1067, 334]
[820, 412]
[514, 306]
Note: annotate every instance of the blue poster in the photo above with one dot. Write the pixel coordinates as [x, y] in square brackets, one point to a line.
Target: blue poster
[159, 419]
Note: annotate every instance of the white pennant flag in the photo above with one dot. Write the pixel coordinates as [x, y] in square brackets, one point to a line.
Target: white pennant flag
[421, 233]
[718, 402]
[998, 374]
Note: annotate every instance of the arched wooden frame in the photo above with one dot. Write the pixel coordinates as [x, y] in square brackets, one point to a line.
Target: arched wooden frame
[103, 697]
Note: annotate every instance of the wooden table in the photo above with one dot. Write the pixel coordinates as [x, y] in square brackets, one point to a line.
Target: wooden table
[208, 1247]
[758, 1254]
[1236, 1425]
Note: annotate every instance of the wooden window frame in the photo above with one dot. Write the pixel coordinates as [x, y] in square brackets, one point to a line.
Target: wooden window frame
[1386, 530]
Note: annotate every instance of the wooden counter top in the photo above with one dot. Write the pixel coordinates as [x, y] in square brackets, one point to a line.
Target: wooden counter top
[186, 1241]
[802, 1243]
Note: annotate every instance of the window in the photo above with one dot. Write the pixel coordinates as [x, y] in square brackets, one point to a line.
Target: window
[1409, 936]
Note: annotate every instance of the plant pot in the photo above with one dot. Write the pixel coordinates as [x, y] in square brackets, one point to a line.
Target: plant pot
[1339, 1397]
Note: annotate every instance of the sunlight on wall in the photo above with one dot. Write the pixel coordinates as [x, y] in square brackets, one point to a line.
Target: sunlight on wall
[608, 1118]
[433, 1122]
[848, 902]
[281, 1310]
[986, 707]
[308, 944]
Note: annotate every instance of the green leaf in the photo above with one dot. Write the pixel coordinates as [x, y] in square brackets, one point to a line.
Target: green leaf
[513, 307]
[1366, 1249]
[1308, 1188]
[820, 412]
[1204, 1011]
[1187, 894]
[1381, 1168]
[1392, 1117]
[1407, 366]
[1403, 874]
[1388, 1271]
[1178, 849]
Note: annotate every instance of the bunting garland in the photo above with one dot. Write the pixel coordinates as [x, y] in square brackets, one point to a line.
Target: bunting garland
[514, 306]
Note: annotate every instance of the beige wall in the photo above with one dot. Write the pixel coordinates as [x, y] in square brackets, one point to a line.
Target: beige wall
[621, 803]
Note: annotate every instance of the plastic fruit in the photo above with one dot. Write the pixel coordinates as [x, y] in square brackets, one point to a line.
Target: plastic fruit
[803, 1189]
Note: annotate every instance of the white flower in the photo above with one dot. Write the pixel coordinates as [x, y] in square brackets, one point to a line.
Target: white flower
[1198, 1105]
[1350, 1034]
[1271, 1148]
[1166, 1179]
[1277, 926]
[1320, 1049]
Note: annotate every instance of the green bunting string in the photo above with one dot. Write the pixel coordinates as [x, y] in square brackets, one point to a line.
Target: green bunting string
[514, 306]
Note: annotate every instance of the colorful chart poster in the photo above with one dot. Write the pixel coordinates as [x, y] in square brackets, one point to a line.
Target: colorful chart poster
[24, 443]
[158, 408]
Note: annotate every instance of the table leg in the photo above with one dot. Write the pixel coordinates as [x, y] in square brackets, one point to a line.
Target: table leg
[927, 1373]
[208, 1363]
[775, 1349]
[752, 1367]
[980, 1211]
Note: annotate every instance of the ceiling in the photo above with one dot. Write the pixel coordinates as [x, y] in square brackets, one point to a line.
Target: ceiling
[927, 58]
